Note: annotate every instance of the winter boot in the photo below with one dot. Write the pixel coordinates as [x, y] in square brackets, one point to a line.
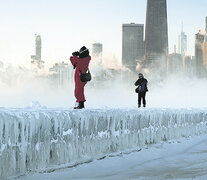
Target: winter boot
[139, 105]
[80, 105]
[144, 105]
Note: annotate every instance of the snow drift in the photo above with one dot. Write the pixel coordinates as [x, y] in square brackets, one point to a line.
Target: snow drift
[35, 139]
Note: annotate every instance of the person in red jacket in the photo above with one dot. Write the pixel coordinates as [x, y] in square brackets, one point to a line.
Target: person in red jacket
[80, 61]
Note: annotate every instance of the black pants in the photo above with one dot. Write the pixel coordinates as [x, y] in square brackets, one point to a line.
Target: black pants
[141, 97]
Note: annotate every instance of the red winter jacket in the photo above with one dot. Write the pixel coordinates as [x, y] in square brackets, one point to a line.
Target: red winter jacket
[80, 64]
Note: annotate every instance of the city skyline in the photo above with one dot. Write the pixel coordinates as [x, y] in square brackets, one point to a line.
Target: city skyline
[63, 30]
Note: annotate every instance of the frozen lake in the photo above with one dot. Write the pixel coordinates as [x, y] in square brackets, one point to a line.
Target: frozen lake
[179, 159]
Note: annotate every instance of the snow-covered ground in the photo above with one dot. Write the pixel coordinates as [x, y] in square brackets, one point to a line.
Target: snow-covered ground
[180, 159]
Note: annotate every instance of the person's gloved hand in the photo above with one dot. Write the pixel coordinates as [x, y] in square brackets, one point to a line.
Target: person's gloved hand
[75, 53]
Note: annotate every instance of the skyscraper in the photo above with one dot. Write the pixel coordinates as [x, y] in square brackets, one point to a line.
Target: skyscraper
[156, 32]
[36, 61]
[175, 63]
[206, 29]
[182, 43]
[199, 39]
[97, 50]
[38, 44]
[188, 66]
[132, 44]
[204, 48]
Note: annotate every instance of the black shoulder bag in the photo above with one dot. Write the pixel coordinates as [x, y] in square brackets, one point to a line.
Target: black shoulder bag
[85, 77]
[138, 89]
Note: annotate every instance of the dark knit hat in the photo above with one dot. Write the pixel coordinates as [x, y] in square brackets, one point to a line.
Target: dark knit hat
[140, 74]
[84, 52]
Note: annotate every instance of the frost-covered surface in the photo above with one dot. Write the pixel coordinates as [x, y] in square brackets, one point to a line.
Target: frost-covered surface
[183, 159]
[38, 139]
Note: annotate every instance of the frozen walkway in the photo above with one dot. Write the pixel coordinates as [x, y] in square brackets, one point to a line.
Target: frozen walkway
[183, 159]
[47, 139]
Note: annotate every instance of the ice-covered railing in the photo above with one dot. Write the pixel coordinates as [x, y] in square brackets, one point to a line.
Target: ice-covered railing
[37, 139]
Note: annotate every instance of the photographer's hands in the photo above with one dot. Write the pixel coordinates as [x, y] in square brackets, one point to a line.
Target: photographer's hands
[74, 58]
[76, 53]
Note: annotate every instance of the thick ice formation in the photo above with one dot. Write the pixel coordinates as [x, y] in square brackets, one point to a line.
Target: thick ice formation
[37, 139]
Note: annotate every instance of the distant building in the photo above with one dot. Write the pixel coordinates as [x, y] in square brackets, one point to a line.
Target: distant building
[38, 47]
[97, 49]
[194, 64]
[174, 63]
[36, 60]
[97, 52]
[182, 43]
[156, 33]
[132, 44]
[206, 30]
[188, 65]
[62, 74]
[204, 48]
[199, 39]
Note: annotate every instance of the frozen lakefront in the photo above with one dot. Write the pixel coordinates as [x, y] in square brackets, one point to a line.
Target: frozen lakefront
[44, 140]
[183, 159]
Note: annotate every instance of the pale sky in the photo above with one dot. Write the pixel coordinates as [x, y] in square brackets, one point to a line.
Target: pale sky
[66, 25]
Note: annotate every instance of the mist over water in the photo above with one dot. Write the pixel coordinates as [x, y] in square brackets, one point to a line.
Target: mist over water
[21, 89]
[179, 92]
[175, 92]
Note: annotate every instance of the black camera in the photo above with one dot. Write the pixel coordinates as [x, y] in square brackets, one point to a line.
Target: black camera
[76, 53]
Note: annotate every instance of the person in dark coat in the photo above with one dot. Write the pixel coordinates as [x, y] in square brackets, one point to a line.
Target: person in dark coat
[80, 61]
[141, 89]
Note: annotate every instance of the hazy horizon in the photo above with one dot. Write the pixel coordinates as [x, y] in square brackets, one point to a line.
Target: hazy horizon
[66, 25]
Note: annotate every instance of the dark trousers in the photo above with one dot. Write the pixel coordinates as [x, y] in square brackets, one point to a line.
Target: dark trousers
[141, 97]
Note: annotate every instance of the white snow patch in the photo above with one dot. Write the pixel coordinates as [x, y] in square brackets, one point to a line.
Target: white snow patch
[37, 147]
[68, 132]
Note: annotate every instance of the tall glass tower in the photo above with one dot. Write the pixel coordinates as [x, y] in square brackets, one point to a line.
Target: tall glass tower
[132, 44]
[182, 42]
[156, 32]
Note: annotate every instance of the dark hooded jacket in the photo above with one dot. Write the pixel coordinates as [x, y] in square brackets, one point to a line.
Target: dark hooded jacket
[142, 85]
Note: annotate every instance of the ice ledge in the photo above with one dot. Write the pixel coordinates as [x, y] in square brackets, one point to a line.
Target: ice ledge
[35, 139]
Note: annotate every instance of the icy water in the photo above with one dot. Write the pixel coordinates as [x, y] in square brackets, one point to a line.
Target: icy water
[180, 159]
